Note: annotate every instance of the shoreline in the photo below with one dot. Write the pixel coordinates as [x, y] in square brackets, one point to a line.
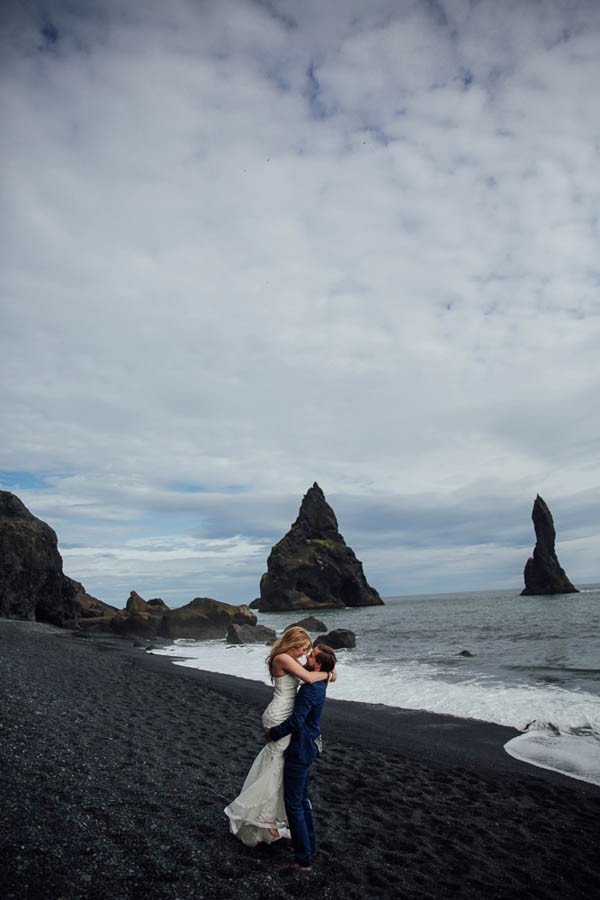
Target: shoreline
[415, 732]
[118, 763]
[438, 738]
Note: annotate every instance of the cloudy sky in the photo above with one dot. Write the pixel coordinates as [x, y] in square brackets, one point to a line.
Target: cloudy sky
[249, 245]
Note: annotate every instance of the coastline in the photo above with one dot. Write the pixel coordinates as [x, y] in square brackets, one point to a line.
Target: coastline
[117, 765]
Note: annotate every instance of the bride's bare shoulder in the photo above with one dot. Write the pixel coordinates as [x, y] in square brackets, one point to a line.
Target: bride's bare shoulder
[281, 664]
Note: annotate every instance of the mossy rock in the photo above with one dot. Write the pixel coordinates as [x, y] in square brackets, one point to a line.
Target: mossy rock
[203, 618]
[312, 567]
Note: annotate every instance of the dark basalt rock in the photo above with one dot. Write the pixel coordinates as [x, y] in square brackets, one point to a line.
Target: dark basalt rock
[338, 639]
[250, 634]
[93, 614]
[543, 573]
[311, 624]
[32, 583]
[148, 619]
[90, 607]
[157, 605]
[311, 567]
[140, 618]
[203, 618]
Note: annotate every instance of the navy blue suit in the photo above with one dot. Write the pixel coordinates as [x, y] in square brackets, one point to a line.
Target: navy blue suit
[304, 726]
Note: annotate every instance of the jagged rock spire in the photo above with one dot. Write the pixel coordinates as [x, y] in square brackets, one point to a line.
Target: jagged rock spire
[543, 573]
[311, 567]
[316, 518]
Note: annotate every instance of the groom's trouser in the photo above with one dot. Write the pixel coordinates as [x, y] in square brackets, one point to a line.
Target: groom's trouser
[299, 811]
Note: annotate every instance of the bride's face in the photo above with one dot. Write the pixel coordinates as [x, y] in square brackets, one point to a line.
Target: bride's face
[299, 651]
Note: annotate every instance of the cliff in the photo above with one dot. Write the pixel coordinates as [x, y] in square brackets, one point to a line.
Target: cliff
[32, 583]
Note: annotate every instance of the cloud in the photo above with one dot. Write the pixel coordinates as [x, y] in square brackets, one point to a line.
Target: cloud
[250, 245]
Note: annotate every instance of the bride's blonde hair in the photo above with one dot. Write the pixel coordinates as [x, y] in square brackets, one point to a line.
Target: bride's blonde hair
[293, 638]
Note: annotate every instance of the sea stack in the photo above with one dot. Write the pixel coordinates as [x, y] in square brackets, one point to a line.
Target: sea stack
[543, 573]
[311, 567]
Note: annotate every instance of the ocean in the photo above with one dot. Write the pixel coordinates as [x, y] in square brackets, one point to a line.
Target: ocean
[527, 660]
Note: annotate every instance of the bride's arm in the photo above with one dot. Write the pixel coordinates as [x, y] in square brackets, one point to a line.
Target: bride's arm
[289, 665]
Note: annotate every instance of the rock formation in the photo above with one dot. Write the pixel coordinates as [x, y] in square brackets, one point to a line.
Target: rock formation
[543, 573]
[32, 583]
[311, 567]
[93, 614]
[33, 586]
[140, 618]
[203, 618]
[311, 623]
[250, 634]
[338, 639]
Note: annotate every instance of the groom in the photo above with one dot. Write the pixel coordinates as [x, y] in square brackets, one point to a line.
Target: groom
[303, 725]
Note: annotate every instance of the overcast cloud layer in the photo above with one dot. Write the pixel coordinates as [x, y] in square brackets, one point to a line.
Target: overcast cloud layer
[250, 245]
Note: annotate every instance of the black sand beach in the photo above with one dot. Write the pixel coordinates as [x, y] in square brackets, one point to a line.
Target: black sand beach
[115, 767]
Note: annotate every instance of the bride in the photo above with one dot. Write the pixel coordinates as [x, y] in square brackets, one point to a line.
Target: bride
[258, 812]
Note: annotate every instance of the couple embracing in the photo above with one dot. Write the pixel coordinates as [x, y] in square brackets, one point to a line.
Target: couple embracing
[274, 799]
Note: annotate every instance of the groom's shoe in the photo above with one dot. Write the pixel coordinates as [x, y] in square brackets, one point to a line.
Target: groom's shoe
[292, 867]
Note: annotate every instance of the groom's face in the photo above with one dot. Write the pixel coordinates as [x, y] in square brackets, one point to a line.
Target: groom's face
[311, 663]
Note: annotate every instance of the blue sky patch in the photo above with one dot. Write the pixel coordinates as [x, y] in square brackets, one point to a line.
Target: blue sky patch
[24, 481]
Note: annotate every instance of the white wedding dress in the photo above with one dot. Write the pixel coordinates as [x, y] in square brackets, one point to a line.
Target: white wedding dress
[260, 806]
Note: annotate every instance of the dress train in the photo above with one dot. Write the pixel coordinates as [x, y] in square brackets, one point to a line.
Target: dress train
[260, 805]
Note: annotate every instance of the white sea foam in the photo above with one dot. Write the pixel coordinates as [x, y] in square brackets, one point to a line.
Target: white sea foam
[574, 755]
[415, 685]
[529, 658]
[515, 705]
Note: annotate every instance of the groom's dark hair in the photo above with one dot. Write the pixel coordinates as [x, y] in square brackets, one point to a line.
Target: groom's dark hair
[326, 658]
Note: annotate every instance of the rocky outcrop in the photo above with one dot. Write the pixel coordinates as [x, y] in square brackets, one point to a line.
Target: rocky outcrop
[543, 573]
[311, 567]
[33, 586]
[338, 639]
[311, 623]
[89, 607]
[203, 618]
[93, 614]
[140, 618]
[250, 634]
[32, 583]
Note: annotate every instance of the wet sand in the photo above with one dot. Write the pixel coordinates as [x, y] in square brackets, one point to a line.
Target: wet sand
[115, 766]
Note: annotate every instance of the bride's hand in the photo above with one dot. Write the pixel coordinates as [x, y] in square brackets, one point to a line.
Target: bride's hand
[333, 676]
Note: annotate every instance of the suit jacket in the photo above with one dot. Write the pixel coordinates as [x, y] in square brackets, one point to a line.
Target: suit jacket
[303, 724]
